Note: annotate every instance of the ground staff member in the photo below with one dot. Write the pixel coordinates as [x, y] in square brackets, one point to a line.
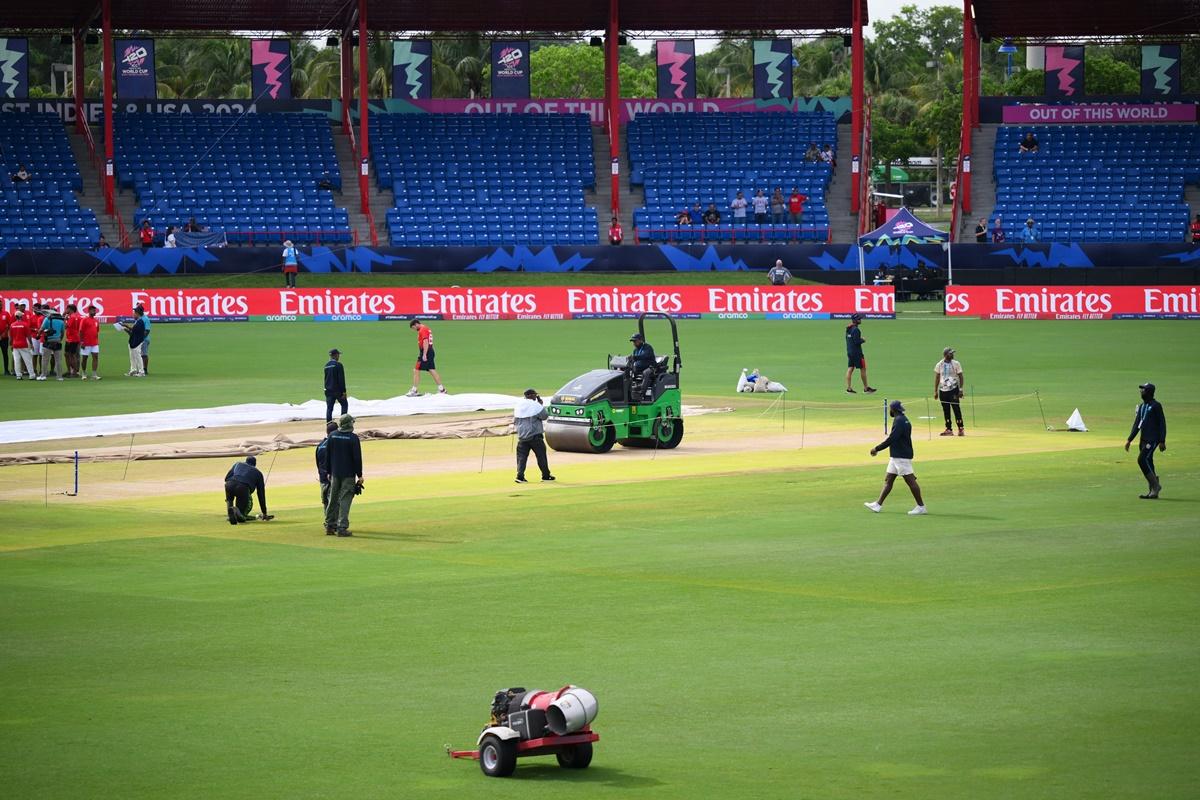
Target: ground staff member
[243, 478]
[5, 321]
[323, 465]
[779, 275]
[335, 384]
[642, 362]
[948, 386]
[345, 476]
[425, 358]
[146, 341]
[900, 450]
[137, 335]
[20, 335]
[89, 343]
[855, 360]
[54, 328]
[1151, 423]
[527, 420]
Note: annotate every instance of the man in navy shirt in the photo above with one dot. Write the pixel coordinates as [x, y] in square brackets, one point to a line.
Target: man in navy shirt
[335, 384]
[323, 464]
[344, 454]
[900, 450]
[642, 362]
[137, 335]
[855, 360]
[243, 478]
[1151, 423]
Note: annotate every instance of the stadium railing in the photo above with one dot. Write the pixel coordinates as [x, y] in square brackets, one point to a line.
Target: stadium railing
[747, 235]
[268, 236]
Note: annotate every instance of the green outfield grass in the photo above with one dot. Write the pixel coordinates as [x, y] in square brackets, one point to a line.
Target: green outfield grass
[749, 629]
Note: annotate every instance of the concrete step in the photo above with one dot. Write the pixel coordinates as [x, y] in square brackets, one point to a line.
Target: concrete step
[349, 199]
[92, 196]
[843, 225]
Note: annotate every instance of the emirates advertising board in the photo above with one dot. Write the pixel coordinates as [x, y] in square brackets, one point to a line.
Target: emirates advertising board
[455, 303]
[1073, 302]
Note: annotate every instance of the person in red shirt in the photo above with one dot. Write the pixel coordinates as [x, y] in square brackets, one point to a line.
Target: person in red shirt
[615, 235]
[796, 206]
[71, 348]
[22, 353]
[89, 343]
[1195, 228]
[425, 361]
[146, 234]
[5, 322]
[35, 337]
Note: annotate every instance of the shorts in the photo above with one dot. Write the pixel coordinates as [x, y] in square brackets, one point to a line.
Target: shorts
[146, 346]
[856, 362]
[72, 348]
[89, 350]
[425, 364]
[899, 466]
[54, 347]
[290, 268]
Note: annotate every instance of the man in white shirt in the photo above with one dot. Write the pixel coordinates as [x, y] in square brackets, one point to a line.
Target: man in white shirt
[170, 240]
[948, 388]
[739, 209]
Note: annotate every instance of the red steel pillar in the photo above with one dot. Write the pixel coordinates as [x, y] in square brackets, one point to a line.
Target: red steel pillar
[363, 121]
[857, 100]
[970, 104]
[77, 65]
[108, 75]
[346, 54]
[612, 98]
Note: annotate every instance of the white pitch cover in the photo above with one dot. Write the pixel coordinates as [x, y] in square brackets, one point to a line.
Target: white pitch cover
[1075, 422]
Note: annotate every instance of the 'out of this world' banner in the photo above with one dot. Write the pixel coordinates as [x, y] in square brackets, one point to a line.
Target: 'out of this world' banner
[1073, 302]
[1085, 113]
[504, 303]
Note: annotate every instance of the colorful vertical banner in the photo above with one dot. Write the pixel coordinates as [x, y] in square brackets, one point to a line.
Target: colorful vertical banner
[412, 69]
[271, 68]
[510, 69]
[135, 69]
[14, 68]
[1064, 71]
[1161, 75]
[772, 69]
[676, 68]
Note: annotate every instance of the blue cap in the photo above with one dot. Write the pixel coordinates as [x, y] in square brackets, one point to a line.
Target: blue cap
[856, 317]
[896, 405]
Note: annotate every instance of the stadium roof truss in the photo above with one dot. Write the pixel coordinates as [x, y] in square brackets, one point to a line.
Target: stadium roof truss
[1085, 20]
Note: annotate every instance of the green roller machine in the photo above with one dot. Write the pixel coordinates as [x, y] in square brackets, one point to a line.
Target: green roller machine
[605, 407]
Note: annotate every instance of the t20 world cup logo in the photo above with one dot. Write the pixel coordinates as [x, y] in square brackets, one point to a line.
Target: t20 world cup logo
[134, 56]
[510, 62]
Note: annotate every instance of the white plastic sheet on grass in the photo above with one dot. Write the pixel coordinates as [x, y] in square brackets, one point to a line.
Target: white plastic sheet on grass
[38, 430]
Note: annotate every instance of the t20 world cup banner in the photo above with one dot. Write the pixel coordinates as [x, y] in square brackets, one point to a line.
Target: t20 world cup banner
[676, 68]
[1064, 71]
[510, 69]
[135, 69]
[271, 69]
[773, 69]
[1161, 74]
[1073, 302]
[504, 303]
[412, 69]
[14, 68]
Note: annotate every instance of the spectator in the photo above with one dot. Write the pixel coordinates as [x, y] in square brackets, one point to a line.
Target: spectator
[739, 209]
[291, 264]
[796, 206]
[697, 213]
[812, 154]
[21, 175]
[778, 206]
[827, 155]
[998, 236]
[193, 227]
[760, 207]
[1029, 234]
[712, 216]
[169, 241]
[1195, 228]
[1029, 144]
[326, 183]
[102, 244]
[683, 218]
[981, 234]
[146, 234]
[779, 275]
[615, 234]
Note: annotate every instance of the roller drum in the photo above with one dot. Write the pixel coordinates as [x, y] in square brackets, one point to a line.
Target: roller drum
[573, 437]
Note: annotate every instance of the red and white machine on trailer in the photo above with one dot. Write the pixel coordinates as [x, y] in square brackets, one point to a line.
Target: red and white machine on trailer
[536, 723]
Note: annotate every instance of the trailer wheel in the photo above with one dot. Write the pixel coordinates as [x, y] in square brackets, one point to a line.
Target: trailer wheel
[497, 757]
[576, 756]
[601, 439]
[669, 432]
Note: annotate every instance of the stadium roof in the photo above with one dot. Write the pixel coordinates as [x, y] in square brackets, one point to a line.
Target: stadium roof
[421, 15]
[1038, 19]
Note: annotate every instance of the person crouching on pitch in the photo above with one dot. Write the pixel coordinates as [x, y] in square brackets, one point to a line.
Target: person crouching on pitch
[243, 478]
[900, 450]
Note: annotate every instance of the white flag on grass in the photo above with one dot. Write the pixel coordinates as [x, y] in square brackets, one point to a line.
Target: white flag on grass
[1075, 422]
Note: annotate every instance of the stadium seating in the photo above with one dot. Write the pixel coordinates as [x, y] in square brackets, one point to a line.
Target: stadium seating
[469, 179]
[254, 177]
[1097, 183]
[682, 159]
[43, 212]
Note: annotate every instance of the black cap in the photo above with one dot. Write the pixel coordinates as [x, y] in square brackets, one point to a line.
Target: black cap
[531, 393]
[856, 317]
[896, 405]
[335, 352]
[251, 460]
[1147, 387]
[637, 336]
